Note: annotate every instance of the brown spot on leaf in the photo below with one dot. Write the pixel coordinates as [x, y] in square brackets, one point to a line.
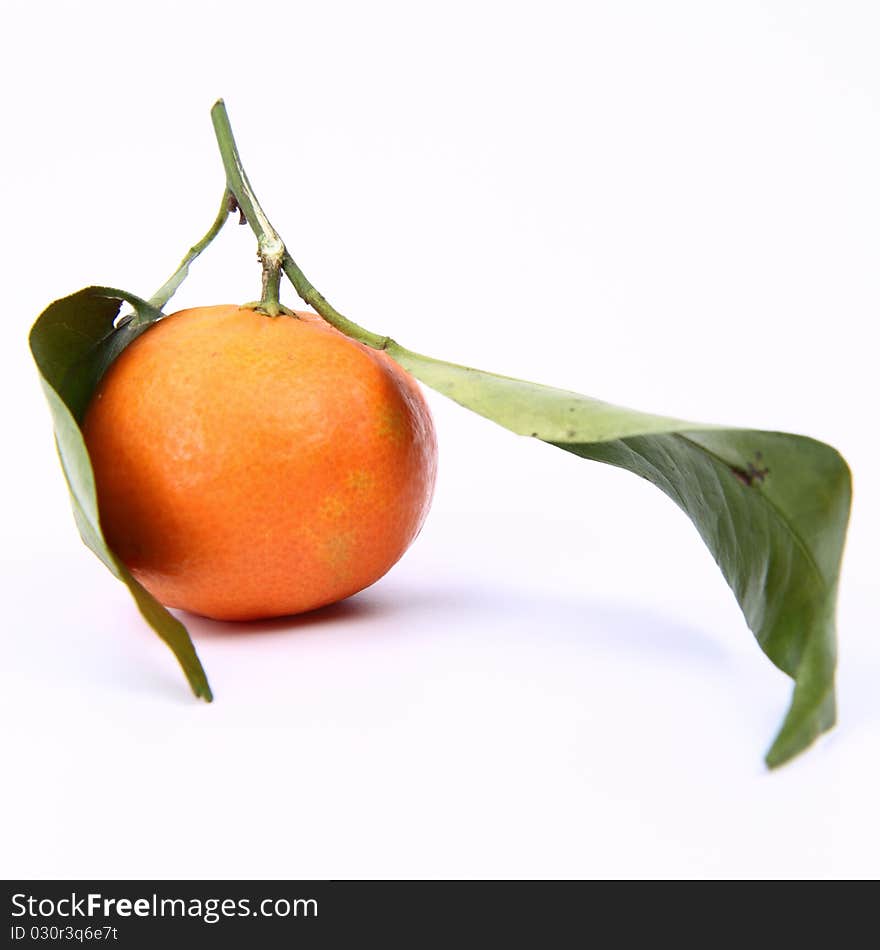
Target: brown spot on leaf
[752, 472]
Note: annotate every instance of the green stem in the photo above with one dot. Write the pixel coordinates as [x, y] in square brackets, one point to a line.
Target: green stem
[269, 240]
[316, 300]
[168, 289]
[270, 302]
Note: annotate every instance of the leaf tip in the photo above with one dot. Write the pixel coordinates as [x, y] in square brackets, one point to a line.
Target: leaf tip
[793, 739]
[776, 758]
[199, 685]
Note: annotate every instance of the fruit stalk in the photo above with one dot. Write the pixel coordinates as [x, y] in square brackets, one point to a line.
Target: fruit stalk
[270, 301]
[270, 241]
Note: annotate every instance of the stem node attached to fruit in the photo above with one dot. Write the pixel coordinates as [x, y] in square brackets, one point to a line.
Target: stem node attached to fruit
[239, 186]
[271, 255]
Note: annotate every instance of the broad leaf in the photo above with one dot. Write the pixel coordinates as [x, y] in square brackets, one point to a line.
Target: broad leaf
[73, 342]
[771, 507]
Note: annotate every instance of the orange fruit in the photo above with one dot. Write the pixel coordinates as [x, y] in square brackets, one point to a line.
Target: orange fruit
[250, 466]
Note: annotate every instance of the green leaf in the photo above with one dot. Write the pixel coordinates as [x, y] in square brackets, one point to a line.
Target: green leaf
[771, 507]
[73, 343]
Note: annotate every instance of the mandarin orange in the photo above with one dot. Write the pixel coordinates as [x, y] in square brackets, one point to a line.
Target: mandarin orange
[251, 466]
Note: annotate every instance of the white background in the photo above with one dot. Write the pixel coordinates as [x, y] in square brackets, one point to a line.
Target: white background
[673, 206]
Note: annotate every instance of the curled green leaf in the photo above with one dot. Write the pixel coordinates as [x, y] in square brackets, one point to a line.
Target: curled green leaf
[73, 342]
[771, 507]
